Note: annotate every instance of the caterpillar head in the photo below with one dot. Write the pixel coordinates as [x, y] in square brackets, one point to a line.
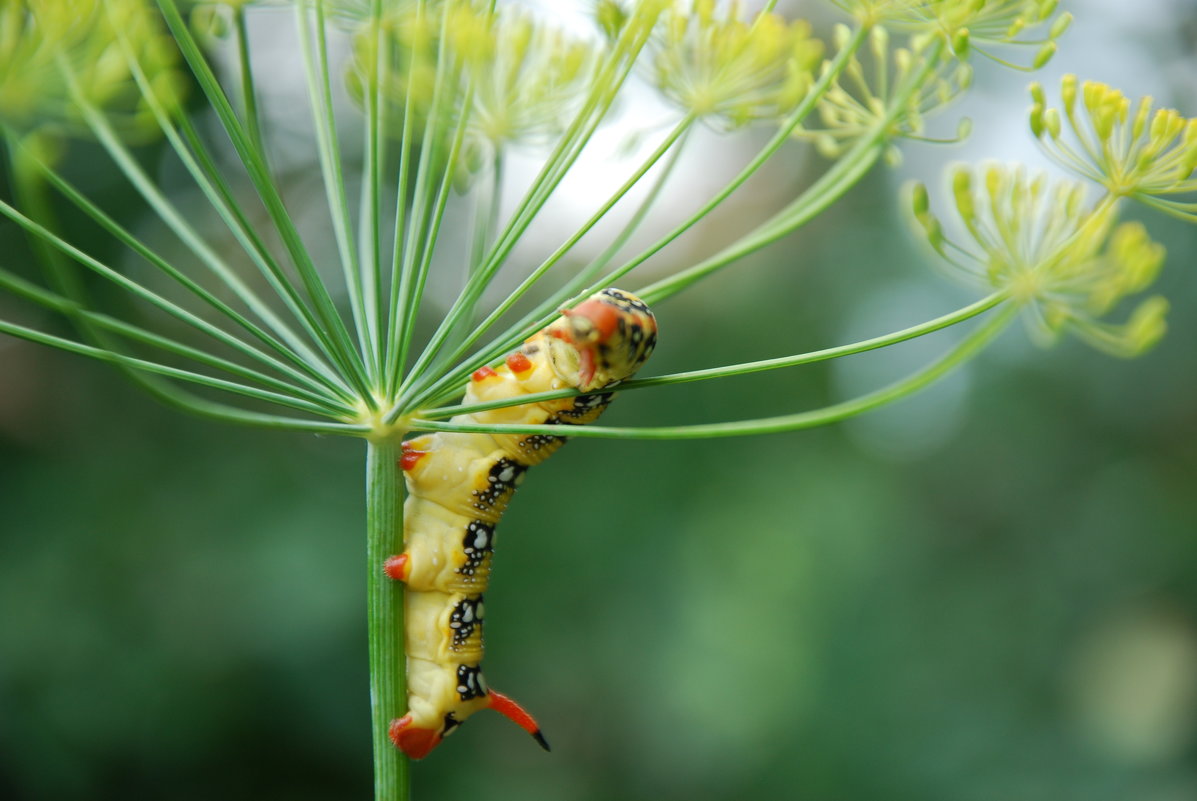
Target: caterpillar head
[603, 340]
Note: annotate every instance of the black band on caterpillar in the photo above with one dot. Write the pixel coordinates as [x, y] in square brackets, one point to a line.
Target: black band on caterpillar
[458, 487]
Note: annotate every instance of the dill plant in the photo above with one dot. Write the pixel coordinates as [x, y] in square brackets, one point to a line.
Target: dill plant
[444, 89]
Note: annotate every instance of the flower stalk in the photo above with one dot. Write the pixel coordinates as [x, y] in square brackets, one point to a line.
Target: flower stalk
[384, 611]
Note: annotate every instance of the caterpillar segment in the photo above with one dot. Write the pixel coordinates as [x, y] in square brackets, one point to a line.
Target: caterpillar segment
[458, 486]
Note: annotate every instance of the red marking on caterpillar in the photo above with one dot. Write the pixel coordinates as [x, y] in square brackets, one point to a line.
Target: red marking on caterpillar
[458, 487]
[601, 317]
[414, 741]
[483, 373]
[410, 457]
[518, 363]
[396, 567]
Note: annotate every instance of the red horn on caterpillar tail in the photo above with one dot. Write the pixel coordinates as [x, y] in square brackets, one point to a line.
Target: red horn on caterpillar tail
[517, 715]
[418, 742]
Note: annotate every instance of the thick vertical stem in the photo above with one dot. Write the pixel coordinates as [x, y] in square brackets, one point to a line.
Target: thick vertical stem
[388, 664]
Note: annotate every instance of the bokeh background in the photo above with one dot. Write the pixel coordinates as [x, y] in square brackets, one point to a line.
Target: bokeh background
[985, 593]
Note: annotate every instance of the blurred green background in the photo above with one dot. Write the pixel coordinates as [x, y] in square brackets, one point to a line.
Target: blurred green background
[985, 593]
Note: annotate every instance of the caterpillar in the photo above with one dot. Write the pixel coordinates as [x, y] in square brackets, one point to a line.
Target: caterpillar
[458, 486]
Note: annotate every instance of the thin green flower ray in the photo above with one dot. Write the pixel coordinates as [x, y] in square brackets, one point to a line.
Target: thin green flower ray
[560, 160]
[664, 147]
[964, 351]
[607, 85]
[142, 292]
[486, 213]
[105, 355]
[249, 93]
[435, 194]
[319, 85]
[591, 272]
[177, 223]
[201, 167]
[829, 188]
[334, 336]
[209, 179]
[183, 230]
[31, 191]
[308, 377]
[450, 386]
[370, 204]
[744, 368]
[405, 299]
[442, 198]
[430, 196]
[72, 308]
[589, 275]
[1174, 208]
[544, 313]
[826, 79]
[485, 222]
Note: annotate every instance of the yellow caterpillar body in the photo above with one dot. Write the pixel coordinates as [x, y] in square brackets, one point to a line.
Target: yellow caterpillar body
[459, 485]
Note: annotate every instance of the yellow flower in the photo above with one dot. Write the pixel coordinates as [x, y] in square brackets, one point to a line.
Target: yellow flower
[879, 99]
[523, 79]
[1066, 263]
[729, 71]
[970, 25]
[46, 45]
[1131, 149]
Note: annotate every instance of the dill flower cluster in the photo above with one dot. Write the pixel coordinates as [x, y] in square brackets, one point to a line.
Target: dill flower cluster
[501, 76]
[1065, 262]
[984, 26]
[1133, 150]
[731, 72]
[59, 55]
[889, 100]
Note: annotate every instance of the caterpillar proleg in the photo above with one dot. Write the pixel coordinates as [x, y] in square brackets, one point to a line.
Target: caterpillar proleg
[458, 487]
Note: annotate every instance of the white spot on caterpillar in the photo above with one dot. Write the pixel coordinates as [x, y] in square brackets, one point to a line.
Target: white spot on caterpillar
[507, 474]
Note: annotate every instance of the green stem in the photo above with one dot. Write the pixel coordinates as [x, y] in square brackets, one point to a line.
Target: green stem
[388, 674]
